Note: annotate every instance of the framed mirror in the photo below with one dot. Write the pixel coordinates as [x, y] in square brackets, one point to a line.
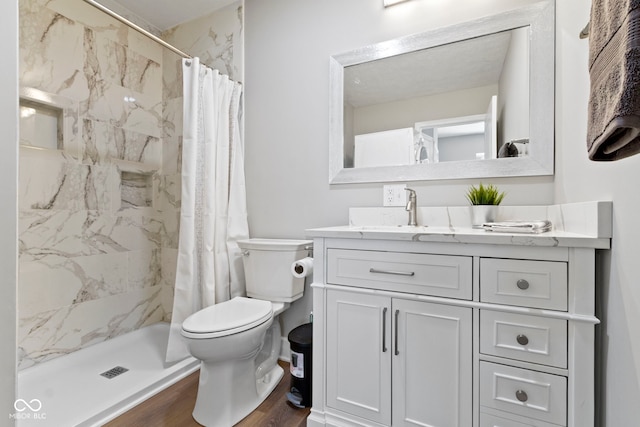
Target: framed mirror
[472, 100]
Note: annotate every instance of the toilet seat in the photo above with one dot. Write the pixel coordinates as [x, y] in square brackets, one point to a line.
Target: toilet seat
[226, 318]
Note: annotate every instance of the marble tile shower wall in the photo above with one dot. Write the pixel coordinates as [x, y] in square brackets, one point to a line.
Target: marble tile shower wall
[98, 249]
[217, 39]
[92, 264]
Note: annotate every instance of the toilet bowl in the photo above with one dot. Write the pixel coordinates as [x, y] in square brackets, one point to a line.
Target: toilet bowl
[238, 341]
[226, 338]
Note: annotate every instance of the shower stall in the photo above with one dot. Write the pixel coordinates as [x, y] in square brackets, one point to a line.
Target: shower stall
[99, 186]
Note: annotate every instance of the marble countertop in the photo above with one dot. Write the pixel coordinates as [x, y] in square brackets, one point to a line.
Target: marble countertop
[460, 235]
[585, 225]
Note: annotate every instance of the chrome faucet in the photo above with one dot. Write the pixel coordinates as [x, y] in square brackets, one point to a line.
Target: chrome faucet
[411, 207]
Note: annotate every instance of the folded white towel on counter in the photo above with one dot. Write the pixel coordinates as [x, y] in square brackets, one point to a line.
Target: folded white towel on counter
[518, 226]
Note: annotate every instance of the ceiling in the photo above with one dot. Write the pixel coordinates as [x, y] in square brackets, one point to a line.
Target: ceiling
[165, 14]
[467, 64]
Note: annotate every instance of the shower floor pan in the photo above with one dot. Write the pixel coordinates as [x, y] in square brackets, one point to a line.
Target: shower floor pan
[96, 384]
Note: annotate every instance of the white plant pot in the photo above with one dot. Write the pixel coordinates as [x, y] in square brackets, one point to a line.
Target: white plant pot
[481, 214]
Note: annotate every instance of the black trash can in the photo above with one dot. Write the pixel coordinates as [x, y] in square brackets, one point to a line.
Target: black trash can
[300, 367]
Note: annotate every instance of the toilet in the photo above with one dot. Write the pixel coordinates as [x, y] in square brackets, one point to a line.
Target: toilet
[238, 341]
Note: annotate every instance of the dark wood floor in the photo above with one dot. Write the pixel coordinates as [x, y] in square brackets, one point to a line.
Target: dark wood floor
[173, 406]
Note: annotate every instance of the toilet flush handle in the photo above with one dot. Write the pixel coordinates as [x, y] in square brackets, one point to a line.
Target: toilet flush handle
[245, 253]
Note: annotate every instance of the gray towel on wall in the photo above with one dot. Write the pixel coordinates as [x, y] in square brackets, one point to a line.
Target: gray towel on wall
[614, 67]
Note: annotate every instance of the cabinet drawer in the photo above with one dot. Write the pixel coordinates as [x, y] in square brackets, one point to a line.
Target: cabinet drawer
[523, 392]
[528, 338]
[537, 284]
[488, 420]
[438, 275]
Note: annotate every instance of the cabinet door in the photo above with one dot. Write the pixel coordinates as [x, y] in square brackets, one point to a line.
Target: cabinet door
[358, 342]
[432, 364]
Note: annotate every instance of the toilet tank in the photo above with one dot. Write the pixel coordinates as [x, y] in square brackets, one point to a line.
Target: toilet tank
[267, 267]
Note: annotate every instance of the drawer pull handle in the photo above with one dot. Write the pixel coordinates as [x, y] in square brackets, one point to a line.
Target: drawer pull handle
[396, 273]
[522, 284]
[397, 351]
[521, 395]
[522, 339]
[384, 330]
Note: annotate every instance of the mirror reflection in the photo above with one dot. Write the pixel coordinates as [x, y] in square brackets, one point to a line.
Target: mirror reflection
[467, 100]
[470, 100]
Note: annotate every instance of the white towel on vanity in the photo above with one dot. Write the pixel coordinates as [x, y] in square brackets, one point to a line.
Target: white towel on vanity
[529, 227]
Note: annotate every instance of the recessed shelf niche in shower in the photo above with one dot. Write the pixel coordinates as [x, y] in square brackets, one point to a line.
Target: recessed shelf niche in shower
[40, 125]
[47, 120]
[136, 189]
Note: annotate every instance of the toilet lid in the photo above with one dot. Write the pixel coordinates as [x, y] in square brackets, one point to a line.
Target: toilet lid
[229, 317]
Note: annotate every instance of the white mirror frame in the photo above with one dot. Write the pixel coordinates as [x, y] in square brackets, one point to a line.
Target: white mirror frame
[540, 160]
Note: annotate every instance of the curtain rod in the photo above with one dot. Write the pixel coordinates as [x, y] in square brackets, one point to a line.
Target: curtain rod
[138, 28]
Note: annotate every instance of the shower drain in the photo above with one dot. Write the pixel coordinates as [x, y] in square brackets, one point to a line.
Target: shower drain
[114, 372]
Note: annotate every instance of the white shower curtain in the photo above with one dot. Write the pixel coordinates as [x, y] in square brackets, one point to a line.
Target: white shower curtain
[213, 213]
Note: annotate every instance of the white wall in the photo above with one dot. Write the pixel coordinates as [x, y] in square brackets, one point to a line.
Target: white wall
[461, 147]
[578, 179]
[8, 213]
[288, 43]
[287, 49]
[407, 112]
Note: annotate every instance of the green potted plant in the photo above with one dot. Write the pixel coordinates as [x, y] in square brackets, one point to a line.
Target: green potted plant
[484, 201]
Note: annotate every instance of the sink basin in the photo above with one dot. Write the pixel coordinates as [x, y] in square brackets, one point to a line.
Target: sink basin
[391, 228]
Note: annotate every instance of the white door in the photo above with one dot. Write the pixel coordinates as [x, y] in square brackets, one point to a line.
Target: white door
[491, 129]
[432, 364]
[359, 355]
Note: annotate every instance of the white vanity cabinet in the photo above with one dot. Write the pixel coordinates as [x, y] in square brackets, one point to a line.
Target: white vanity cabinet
[358, 358]
[397, 361]
[432, 364]
[390, 358]
[446, 330]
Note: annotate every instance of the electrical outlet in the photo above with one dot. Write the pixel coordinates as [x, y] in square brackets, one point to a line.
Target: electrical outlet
[394, 195]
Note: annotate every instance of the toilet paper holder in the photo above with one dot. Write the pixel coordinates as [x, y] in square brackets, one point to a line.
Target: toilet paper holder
[303, 267]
